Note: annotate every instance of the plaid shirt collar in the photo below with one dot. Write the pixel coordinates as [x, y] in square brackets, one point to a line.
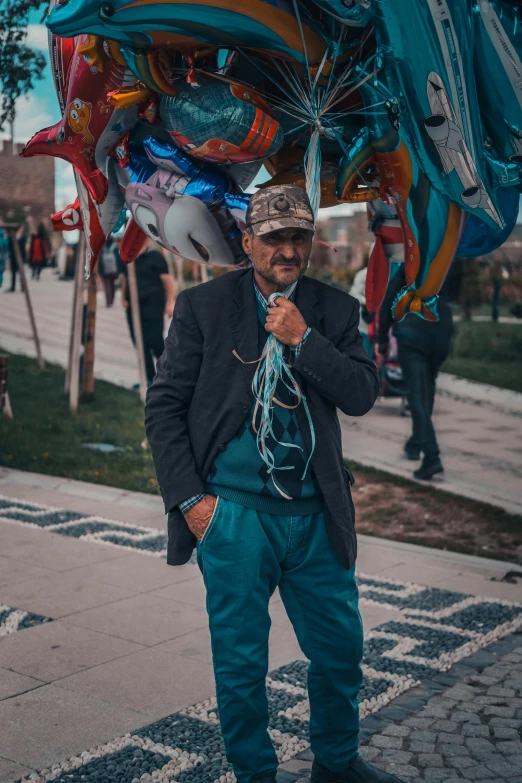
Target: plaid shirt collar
[262, 299]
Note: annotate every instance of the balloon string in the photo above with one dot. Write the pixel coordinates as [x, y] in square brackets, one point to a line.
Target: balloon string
[312, 163]
[271, 369]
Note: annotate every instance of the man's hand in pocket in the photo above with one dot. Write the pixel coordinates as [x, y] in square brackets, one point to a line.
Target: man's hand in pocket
[198, 518]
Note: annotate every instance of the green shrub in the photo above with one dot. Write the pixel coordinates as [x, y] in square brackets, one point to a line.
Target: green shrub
[488, 341]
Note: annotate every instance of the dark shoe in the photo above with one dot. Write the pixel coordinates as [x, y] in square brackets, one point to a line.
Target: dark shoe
[411, 450]
[359, 771]
[429, 468]
[264, 777]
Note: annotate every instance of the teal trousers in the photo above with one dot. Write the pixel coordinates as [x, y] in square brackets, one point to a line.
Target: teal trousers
[243, 556]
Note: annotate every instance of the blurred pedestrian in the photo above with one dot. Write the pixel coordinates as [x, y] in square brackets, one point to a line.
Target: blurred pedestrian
[358, 290]
[13, 263]
[4, 253]
[38, 252]
[157, 295]
[108, 269]
[422, 348]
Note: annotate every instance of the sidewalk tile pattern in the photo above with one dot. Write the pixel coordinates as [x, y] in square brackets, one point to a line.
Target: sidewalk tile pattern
[435, 629]
[12, 619]
[88, 528]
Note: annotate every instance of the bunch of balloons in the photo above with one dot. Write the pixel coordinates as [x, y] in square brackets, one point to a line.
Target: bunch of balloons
[170, 108]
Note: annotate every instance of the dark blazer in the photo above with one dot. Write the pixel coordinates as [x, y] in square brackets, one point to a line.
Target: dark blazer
[202, 394]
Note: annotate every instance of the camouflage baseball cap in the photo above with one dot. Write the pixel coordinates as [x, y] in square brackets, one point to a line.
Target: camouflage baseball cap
[279, 206]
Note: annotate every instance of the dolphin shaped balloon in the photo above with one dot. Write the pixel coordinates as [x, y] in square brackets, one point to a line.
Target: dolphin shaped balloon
[268, 25]
[90, 126]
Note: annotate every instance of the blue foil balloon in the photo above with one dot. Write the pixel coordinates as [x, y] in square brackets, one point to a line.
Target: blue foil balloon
[270, 25]
[207, 184]
[427, 49]
[356, 14]
[478, 239]
[498, 71]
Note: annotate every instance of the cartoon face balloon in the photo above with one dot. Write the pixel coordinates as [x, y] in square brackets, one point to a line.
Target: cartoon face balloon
[159, 201]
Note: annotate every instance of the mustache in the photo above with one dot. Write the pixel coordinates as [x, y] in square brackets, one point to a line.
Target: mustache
[282, 260]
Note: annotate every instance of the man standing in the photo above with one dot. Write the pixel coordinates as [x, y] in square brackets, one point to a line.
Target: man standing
[157, 294]
[254, 530]
[108, 269]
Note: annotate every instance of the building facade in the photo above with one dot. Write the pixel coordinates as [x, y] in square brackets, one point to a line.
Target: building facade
[26, 186]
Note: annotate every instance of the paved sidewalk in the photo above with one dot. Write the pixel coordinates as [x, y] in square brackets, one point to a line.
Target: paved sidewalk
[105, 664]
[479, 427]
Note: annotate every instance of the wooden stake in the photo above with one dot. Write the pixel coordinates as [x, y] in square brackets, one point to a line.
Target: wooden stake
[5, 405]
[8, 411]
[16, 247]
[89, 341]
[78, 292]
[136, 325]
[74, 374]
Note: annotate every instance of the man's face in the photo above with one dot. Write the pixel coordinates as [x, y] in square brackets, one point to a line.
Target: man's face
[280, 257]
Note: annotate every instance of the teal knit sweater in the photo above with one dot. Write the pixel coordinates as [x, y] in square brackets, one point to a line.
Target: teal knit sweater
[239, 474]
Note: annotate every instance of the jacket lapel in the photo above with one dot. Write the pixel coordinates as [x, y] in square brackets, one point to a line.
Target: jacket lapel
[307, 303]
[244, 323]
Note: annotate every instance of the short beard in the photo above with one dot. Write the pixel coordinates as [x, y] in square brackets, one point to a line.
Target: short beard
[267, 275]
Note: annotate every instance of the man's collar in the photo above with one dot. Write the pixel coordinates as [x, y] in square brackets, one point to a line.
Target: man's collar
[262, 299]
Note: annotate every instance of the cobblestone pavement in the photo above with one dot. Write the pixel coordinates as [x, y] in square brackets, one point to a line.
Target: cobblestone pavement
[470, 731]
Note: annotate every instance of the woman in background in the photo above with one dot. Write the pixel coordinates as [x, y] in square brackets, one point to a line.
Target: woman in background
[39, 252]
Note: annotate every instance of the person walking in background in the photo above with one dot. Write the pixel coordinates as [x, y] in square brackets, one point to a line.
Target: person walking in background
[422, 348]
[255, 528]
[13, 263]
[38, 252]
[4, 252]
[358, 290]
[157, 295]
[108, 269]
